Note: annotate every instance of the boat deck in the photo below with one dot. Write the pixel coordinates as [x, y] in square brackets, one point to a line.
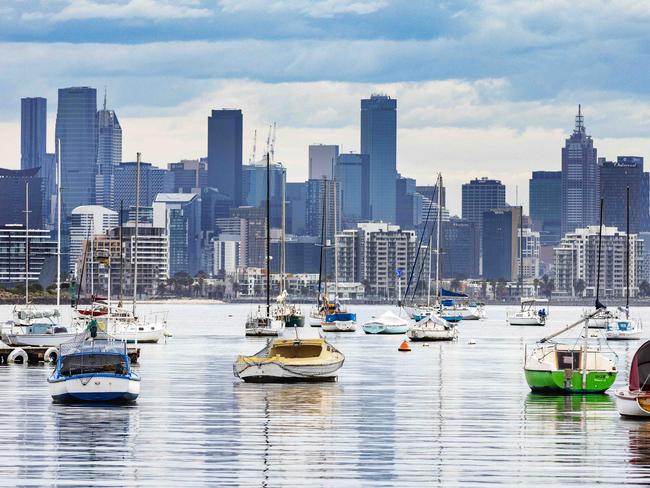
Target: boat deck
[35, 354]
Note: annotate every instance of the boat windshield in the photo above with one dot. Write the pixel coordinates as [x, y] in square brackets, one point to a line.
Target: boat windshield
[296, 350]
[93, 363]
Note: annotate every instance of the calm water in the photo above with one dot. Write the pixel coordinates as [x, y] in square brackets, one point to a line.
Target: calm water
[450, 414]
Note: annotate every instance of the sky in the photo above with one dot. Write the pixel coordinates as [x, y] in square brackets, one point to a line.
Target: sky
[484, 87]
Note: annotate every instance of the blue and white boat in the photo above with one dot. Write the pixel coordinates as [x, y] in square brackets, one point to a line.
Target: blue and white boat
[94, 369]
[340, 320]
[387, 323]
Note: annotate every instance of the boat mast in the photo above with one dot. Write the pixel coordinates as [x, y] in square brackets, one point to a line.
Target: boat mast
[325, 235]
[135, 236]
[430, 250]
[438, 234]
[58, 224]
[336, 250]
[121, 252]
[521, 250]
[283, 238]
[322, 251]
[268, 238]
[27, 242]
[598, 304]
[627, 256]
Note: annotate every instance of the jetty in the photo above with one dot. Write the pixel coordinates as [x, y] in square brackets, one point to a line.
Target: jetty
[36, 354]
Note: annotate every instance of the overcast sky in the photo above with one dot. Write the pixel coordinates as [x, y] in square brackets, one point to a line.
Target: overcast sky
[484, 87]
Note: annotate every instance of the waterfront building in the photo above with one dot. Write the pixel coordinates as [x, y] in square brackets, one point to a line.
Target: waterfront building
[545, 191]
[500, 243]
[379, 142]
[480, 196]
[42, 255]
[190, 175]
[76, 129]
[460, 249]
[153, 180]
[352, 173]
[530, 254]
[615, 178]
[225, 153]
[227, 254]
[576, 260]
[322, 161]
[109, 155]
[580, 195]
[12, 197]
[252, 232]
[180, 214]
[85, 222]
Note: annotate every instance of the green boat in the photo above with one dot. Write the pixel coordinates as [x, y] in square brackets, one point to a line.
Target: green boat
[569, 368]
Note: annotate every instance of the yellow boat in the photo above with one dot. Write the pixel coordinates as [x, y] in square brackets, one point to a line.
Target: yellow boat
[291, 360]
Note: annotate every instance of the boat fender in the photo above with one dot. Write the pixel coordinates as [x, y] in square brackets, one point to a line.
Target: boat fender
[51, 355]
[17, 356]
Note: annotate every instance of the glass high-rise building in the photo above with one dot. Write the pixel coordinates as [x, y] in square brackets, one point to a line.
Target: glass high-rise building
[225, 153]
[33, 132]
[544, 193]
[352, 173]
[322, 161]
[615, 178]
[254, 188]
[76, 128]
[501, 243]
[153, 180]
[479, 196]
[379, 142]
[109, 155]
[580, 180]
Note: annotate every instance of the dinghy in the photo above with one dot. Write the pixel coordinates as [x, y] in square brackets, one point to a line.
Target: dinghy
[432, 328]
[387, 323]
[634, 400]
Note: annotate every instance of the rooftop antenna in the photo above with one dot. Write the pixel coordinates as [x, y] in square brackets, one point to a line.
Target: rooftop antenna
[252, 158]
[104, 98]
[272, 148]
[580, 126]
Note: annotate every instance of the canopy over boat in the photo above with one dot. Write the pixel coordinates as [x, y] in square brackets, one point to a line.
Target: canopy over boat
[640, 369]
[529, 300]
[34, 313]
[389, 319]
[449, 293]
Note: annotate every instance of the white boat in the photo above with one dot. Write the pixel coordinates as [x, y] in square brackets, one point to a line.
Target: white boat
[94, 369]
[634, 400]
[291, 360]
[36, 327]
[475, 311]
[387, 323]
[602, 319]
[261, 324]
[623, 329]
[339, 322]
[533, 311]
[432, 328]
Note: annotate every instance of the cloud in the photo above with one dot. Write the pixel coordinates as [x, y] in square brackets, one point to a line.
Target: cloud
[312, 8]
[140, 9]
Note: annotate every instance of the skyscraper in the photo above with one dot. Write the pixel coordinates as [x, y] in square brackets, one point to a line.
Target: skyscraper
[615, 178]
[225, 152]
[501, 243]
[153, 180]
[379, 142]
[461, 249]
[580, 180]
[13, 190]
[76, 128]
[481, 195]
[190, 175]
[352, 175]
[33, 132]
[322, 160]
[109, 155]
[544, 190]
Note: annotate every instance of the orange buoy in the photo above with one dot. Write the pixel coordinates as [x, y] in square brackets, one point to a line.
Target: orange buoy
[404, 347]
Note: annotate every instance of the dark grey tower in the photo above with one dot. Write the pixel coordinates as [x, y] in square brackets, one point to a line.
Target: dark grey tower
[33, 132]
[109, 155]
[225, 152]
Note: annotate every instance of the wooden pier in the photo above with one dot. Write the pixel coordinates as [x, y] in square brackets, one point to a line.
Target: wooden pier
[35, 354]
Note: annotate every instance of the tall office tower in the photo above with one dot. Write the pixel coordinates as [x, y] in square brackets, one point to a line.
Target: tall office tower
[461, 247]
[225, 153]
[322, 161]
[544, 192]
[315, 205]
[615, 178]
[153, 180]
[190, 175]
[644, 202]
[580, 180]
[180, 214]
[254, 188]
[379, 142]
[481, 195]
[352, 173]
[33, 132]
[13, 189]
[214, 205]
[297, 208]
[501, 243]
[76, 128]
[109, 155]
[409, 204]
[253, 235]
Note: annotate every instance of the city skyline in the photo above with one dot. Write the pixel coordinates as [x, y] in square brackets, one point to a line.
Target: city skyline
[459, 115]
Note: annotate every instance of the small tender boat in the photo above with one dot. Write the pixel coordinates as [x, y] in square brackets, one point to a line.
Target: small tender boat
[288, 313]
[94, 369]
[623, 329]
[569, 368]
[533, 311]
[387, 323]
[602, 319]
[634, 400]
[259, 324]
[291, 360]
[36, 327]
[432, 328]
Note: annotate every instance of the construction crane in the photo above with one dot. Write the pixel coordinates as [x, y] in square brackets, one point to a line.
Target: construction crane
[252, 158]
[272, 148]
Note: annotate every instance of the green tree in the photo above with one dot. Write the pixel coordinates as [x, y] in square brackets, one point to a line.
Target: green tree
[644, 289]
[579, 287]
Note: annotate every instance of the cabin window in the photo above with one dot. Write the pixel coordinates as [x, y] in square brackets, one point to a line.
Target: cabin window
[568, 359]
[93, 363]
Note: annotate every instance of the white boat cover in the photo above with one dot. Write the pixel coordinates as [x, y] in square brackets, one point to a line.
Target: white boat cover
[36, 314]
[389, 319]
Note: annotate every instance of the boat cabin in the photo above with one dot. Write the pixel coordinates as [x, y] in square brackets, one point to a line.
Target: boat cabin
[99, 363]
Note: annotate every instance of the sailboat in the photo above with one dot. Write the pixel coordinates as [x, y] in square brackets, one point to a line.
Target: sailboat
[634, 399]
[552, 367]
[432, 323]
[262, 322]
[32, 326]
[625, 328]
[533, 311]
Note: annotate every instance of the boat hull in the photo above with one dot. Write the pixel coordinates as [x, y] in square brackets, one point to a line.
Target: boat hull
[37, 340]
[556, 381]
[384, 329]
[631, 404]
[431, 335]
[339, 326]
[261, 332]
[97, 388]
[142, 337]
[275, 372]
[526, 321]
[623, 335]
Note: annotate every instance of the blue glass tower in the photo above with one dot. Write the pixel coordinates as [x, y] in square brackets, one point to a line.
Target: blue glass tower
[353, 177]
[33, 132]
[109, 155]
[225, 153]
[379, 142]
[544, 193]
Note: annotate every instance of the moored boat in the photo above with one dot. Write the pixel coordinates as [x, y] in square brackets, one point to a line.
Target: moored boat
[533, 311]
[340, 321]
[387, 323]
[36, 327]
[634, 400]
[291, 360]
[623, 330]
[432, 328]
